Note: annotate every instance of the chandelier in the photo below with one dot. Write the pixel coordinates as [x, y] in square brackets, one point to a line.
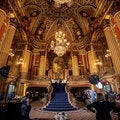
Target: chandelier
[58, 3]
[60, 45]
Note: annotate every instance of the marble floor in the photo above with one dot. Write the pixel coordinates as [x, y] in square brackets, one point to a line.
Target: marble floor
[81, 114]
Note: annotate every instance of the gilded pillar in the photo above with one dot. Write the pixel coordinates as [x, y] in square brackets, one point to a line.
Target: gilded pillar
[23, 71]
[115, 25]
[42, 65]
[91, 58]
[25, 65]
[115, 52]
[6, 45]
[12, 77]
[117, 18]
[4, 21]
[75, 67]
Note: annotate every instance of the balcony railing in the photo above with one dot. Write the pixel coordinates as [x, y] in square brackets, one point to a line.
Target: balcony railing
[77, 79]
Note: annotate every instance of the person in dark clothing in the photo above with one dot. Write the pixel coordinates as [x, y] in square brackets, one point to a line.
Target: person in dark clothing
[106, 96]
[26, 107]
[101, 107]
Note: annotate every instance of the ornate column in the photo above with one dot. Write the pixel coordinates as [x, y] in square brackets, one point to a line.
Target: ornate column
[115, 52]
[25, 65]
[6, 44]
[23, 71]
[83, 62]
[75, 67]
[12, 76]
[91, 58]
[115, 24]
[4, 21]
[3, 29]
[117, 18]
[42, 64]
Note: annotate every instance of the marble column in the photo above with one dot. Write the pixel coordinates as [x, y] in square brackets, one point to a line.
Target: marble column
[4, 21]
[21, 88]
[115, 52]
[91, 58]
[25, 65]
[12, 77]
[75, 67]
[23, 71]
[6, 45]
[117, 18]
[42, 65]
[115, 25]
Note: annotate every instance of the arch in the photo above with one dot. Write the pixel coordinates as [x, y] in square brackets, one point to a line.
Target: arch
[53, 28]
[94, 36]
[37, 20]
[90, 10]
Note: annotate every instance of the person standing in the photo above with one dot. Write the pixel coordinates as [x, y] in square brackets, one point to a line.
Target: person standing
[25, 107]
[111, 98]
[87, 97]
[101, 107]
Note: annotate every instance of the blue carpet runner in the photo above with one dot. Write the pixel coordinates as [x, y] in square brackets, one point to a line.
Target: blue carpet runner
[59, 99]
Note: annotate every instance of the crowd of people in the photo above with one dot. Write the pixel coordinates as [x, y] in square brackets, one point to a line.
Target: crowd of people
[103, 105]
[99, 103]
[90, 96]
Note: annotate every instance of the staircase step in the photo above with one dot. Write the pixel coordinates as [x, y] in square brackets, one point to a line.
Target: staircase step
[59, 104]
[59, 101]
[59, 109]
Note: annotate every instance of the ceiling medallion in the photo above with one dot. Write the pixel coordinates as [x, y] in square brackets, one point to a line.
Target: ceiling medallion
[58, 3]
[60, 45]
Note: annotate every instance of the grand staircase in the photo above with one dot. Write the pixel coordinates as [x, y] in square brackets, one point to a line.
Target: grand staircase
[59, 99]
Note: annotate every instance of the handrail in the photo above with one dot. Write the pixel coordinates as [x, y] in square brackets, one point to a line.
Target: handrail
[77, 78]
[70, 98]
[49, 96]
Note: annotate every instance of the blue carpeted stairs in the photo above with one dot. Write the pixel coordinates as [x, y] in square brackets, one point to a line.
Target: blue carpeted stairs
[59, 99]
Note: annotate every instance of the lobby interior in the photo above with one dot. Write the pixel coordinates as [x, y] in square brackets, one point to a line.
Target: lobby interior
[67, 41]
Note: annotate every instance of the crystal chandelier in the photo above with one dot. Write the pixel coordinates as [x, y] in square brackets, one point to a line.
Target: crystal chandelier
[58, 3]
[61, 45]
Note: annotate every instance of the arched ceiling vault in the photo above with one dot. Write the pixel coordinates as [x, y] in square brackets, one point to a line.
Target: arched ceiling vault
[38, 18]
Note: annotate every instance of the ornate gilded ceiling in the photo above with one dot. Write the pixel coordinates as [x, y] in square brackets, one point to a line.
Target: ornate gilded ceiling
[38, 20]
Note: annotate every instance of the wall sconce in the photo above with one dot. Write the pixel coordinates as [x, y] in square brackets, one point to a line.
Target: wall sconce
[20, 61]
[11, 53]
[108, 53]
[97, 62]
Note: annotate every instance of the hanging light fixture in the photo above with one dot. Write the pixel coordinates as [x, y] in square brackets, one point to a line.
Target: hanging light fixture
[60, 45]
[99, 85]
[58, 3]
